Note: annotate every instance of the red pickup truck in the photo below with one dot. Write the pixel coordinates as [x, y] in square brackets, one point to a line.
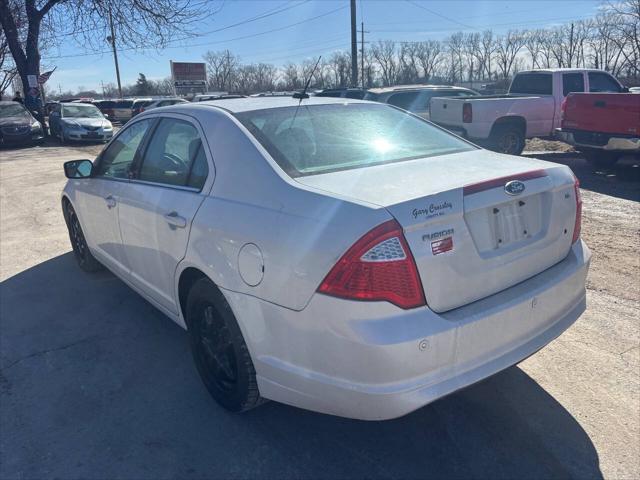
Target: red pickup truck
[603, 126]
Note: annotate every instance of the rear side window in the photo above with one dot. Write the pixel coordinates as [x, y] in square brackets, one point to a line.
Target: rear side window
[412, 101]
[171, 152]
[601, 82]
[119, 155]
[572, 82]
[357, 94]
[532, 84]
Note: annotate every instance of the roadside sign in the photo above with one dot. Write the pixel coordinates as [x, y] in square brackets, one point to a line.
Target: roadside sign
[33, 80]
[189, 77]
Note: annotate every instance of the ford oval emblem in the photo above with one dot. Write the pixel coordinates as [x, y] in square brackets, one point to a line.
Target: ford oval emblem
[514, 187]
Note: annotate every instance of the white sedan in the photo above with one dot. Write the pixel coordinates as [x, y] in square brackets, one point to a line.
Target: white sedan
[337, 255]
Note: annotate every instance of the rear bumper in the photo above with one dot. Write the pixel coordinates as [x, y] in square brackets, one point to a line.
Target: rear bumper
[374, 361]
[602, 141]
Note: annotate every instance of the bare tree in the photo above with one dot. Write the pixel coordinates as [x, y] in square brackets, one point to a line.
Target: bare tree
[221, 69]
[408, 63]
[384, 53]
[8, 69]
[507, 48]
[429, 55]
[291, 77]
[339, 66]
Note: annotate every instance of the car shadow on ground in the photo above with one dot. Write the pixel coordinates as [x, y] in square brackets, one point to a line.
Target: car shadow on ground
[621, 181]
[95, 383]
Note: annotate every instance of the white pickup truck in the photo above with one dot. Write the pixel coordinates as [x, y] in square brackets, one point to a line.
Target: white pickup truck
[532, 108]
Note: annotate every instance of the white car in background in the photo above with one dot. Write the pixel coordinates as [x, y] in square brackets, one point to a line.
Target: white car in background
[338, 255]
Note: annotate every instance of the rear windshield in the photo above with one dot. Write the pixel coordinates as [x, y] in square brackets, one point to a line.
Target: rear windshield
[123, 104]
[326, 138]
[532, 84]
[105, 104]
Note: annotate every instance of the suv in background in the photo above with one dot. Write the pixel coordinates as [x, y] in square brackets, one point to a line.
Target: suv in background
[356, 93]
[416, 98]
[139, 105]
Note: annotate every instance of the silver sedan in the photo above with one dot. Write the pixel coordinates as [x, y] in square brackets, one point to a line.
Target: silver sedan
[337, 255]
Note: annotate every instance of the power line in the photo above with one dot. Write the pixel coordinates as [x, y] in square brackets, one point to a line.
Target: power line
[207, 43]
[433, 12]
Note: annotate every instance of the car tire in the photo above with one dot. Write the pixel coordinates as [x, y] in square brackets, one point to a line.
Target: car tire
[84, 257]
[601, 158]
[507, 139]
[219, 350]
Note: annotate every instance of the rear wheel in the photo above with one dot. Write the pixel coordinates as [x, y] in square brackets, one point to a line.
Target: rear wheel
[219, 350]
[601, 158]
[84, 257]
[507, 139]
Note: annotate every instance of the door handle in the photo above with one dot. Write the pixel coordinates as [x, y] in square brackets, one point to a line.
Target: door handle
[111, 202]
[175, 220]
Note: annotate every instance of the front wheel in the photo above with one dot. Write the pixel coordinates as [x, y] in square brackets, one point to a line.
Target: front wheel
[219, 350]
[507, 139]
[84, 257]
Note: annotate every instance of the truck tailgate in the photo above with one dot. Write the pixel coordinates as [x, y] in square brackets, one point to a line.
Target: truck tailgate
[602, 112]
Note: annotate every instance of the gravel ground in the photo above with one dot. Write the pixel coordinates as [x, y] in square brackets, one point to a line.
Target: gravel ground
[95, 383]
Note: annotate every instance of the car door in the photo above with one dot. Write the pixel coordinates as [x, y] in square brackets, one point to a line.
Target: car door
[160, 203]
[98, 199]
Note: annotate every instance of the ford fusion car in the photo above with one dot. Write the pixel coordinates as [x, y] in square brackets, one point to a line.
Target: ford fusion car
[337, 255]
[79, 122]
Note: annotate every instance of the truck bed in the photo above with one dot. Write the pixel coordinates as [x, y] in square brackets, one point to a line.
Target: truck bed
[610, 113]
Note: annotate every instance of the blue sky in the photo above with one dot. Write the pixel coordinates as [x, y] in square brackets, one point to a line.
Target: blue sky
[384, 19]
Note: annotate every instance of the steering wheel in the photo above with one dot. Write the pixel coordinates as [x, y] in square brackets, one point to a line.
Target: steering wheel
[175, 160]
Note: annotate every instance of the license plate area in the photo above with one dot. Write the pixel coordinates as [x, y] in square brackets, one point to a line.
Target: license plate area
[506, 225]
[92, 135]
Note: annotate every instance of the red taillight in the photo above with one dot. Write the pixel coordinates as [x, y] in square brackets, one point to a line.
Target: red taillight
[578, 224]
[467, 113]
[379, 267]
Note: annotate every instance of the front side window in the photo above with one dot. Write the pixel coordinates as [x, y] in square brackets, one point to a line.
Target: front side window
[532, 84]
[325, 138]
[12, 110]
[572, 82]
[601, 82]
[174, 147]
[116, 160]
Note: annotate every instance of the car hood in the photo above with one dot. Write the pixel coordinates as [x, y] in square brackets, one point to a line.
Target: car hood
[394, 183]
[87, 121]
[24, 119]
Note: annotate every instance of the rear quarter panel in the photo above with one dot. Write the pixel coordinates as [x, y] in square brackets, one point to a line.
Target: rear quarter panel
[300, 232]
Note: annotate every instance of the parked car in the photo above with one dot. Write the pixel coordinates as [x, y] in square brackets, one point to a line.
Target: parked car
[138, 105]
[105, 107]
[18, 125]
[79, 122]
[159, 102]
[530, 109]
[273, 94]
[122, 110]
[226, 96]
[603, 126]
[440, 265]
[357, 93]
[634, 90]
[415, 98]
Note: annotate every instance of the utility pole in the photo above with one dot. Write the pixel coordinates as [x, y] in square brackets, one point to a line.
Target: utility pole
[112, 39]
[362, 42]
[354, 46]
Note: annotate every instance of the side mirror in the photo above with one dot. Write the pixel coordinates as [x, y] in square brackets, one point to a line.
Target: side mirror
[78, 168]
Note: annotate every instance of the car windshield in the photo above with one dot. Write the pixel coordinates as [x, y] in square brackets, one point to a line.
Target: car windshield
[11, 110]
[324, 138]
[81, 111]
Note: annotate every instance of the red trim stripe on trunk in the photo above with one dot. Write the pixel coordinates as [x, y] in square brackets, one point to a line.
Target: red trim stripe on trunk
[500, 182]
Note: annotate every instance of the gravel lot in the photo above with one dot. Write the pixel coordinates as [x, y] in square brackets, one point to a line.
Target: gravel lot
[95, 383]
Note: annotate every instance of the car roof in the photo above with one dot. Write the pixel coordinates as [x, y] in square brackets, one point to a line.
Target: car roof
[81, 104]
[9, 102]
[237, 105]
[402, 88]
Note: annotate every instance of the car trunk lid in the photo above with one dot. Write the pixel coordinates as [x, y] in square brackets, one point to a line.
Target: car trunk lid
[469, 236]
